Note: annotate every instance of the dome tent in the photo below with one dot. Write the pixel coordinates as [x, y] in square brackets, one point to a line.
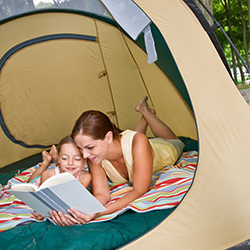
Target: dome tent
[68, 61]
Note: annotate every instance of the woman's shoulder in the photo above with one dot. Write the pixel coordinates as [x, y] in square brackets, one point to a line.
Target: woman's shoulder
[131, 138]
[127, 137]
[140, 138]
[128, 132]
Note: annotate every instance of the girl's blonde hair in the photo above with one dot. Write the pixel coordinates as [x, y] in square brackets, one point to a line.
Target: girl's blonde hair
[66, 140]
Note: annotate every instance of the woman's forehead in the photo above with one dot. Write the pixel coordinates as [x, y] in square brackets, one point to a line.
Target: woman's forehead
[83, 140]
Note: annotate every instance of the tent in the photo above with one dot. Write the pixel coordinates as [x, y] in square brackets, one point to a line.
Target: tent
[56, 63]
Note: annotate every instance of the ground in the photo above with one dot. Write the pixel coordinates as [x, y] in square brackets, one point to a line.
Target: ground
[246, 94]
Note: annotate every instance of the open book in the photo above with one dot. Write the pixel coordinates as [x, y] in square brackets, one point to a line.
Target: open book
[59, 192]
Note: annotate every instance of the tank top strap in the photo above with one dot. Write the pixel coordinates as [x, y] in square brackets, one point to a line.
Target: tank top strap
[57, 170]
[78, 175]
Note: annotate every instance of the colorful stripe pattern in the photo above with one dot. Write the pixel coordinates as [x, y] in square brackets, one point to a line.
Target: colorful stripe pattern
[167, 189]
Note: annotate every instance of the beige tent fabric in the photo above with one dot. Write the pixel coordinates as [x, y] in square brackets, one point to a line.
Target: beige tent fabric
[11, 152]
[215, 214]
[45, 86]
[131, 77]
[167, 100]
[112, 75]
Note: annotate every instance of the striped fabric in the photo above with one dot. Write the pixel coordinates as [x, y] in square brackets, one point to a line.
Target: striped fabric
[167, 189]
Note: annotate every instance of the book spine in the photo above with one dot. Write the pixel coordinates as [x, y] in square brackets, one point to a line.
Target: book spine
[55, 203]
[42, 200]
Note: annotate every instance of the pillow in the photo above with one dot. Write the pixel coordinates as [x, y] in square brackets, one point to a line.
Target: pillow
[190, 144]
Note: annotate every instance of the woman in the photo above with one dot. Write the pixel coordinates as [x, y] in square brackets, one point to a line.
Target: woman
[121, 156]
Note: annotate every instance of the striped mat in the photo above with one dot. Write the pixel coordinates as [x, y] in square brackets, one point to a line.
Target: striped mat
[167, 189]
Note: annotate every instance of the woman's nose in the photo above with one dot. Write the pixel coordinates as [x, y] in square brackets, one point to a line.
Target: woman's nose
[85, 154]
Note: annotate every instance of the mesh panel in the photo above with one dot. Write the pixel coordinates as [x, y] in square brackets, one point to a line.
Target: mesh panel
[10, 8]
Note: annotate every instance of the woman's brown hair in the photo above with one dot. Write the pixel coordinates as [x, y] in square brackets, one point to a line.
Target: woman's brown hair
[95, 124]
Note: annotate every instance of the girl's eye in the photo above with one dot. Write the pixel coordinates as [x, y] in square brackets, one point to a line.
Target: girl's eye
[77, 159]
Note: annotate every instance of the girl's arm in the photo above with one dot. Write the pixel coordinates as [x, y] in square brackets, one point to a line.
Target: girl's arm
[37, 172]
[47, 174]
[46, 161]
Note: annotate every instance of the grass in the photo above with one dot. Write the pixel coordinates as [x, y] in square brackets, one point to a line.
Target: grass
[243, 86]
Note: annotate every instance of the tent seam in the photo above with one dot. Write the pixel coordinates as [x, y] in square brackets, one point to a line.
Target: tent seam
[107, 75]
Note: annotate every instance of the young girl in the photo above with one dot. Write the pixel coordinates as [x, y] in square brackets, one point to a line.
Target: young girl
[122, 156]
[69, 159]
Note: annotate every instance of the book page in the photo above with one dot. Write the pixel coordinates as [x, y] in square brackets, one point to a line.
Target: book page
[30, 199]
[74, 194]
[24, 187]
[57, 179]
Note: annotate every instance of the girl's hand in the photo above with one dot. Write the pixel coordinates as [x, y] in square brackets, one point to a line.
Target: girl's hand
[38, 216]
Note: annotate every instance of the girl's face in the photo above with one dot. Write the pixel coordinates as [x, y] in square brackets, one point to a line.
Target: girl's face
[94, 150]
[70, 159]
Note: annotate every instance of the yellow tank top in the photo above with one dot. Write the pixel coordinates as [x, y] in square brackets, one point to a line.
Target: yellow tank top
[166, 152]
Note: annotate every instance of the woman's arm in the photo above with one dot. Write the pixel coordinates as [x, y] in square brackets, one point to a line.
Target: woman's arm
[100, 188]
[143, 166]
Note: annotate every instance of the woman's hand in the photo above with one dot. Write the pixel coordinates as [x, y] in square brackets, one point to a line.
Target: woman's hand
[63, 219]
[70, 220]
[82, 218]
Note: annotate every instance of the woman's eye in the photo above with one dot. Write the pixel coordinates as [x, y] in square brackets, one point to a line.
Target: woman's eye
[90, 148]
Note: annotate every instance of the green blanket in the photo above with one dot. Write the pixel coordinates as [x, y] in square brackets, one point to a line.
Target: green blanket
[96, 236]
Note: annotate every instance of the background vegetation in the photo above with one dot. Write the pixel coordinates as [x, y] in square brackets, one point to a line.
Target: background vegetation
[234, 18]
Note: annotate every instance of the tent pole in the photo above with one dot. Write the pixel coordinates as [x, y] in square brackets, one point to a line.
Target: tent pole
[216, 26]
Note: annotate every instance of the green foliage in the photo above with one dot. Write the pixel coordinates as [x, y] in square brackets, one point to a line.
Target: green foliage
[13, 7]
[232, 25]
[42, 5]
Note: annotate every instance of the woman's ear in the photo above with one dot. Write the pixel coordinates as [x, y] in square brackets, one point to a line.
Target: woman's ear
[109, 136]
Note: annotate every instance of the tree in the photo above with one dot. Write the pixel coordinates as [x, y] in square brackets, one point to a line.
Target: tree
[244, 32]
[233, 16]
[209, 6]
[14, 7]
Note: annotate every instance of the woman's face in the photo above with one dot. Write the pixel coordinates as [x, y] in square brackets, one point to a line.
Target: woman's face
[70, 159]
[94, 150]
